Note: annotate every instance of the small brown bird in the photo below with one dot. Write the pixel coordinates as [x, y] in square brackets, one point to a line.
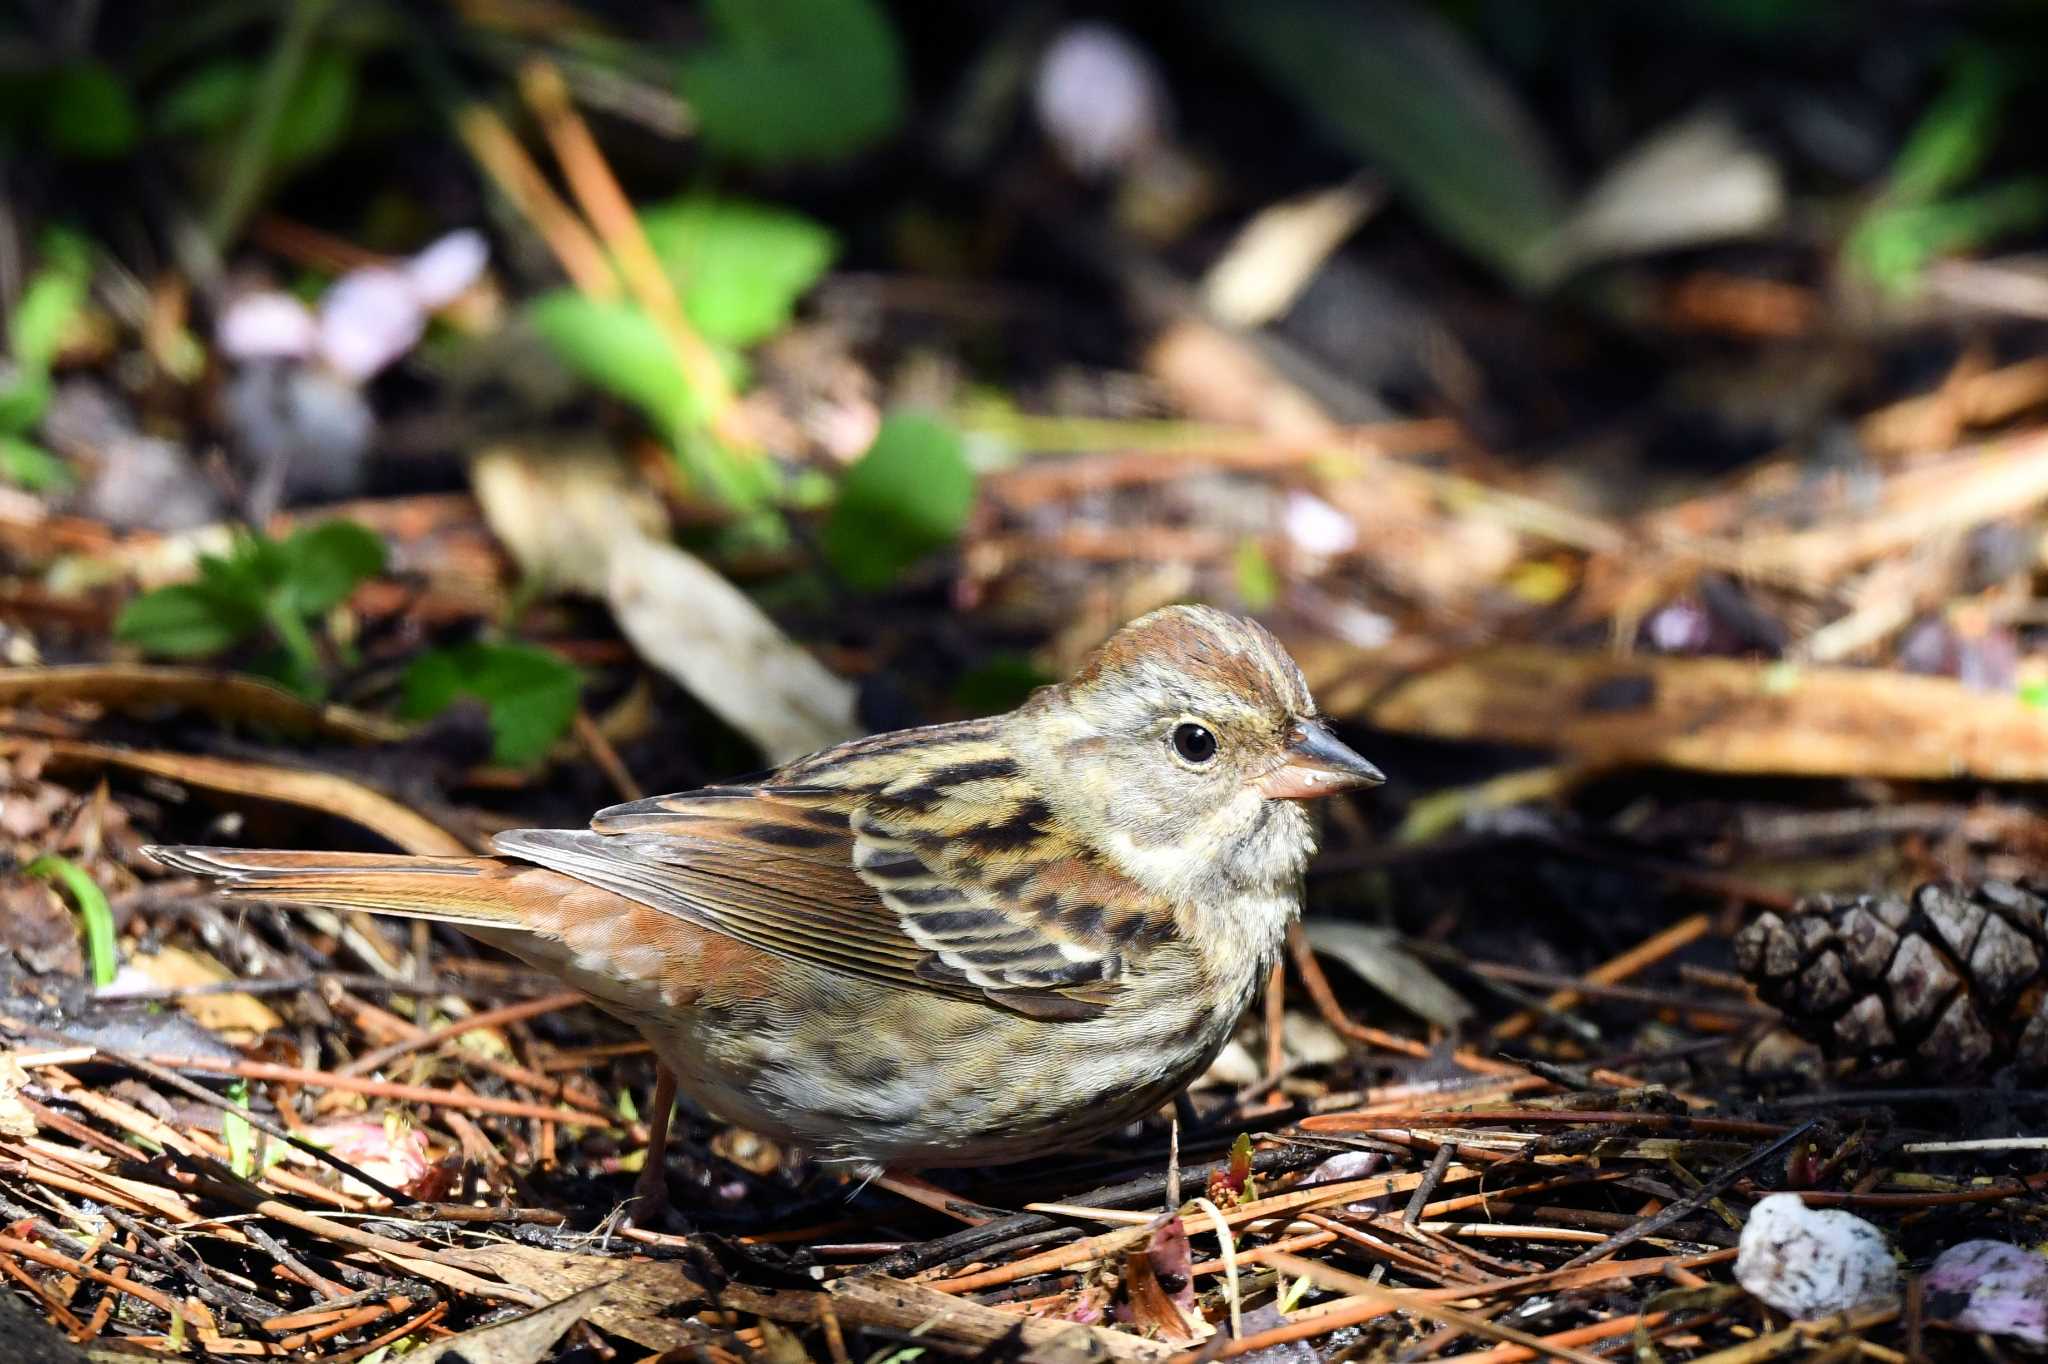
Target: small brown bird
[956, 945]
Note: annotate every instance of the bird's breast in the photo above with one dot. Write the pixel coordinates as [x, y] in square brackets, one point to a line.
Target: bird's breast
[861, 1071]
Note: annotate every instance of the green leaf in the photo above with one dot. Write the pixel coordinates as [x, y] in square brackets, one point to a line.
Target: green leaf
[316, 114]
[621, 350]
[90, 113]
[95, 915]
[1956, 133]
[1894, 244]
[236, 1131]
[1398, 88]
[28, 465]
[24, 393]
[740, 266]
[211, 99]
[530, 693]
[49, 307]
[796, 80]
[907, 496]
[322, 564]
[187, 620]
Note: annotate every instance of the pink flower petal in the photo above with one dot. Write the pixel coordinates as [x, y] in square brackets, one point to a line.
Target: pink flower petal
[368, 319]
[445, 270]
[267, 325]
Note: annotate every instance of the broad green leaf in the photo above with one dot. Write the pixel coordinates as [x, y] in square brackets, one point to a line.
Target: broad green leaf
[49, 306]
[530, 693]
[620, 349]
[907, 496]
[95, 915]
[24, 393]
[187, 620]
[796, 80]
[28, 465]
[317, 114]
[90, 113]
[1399, 89]
[209, 100]
[740, 266]
[324, 563]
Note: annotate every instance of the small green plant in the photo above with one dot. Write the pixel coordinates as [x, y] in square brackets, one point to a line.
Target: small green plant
[236, 1130]
[261, 588]
[49, 307]
[529, 693]
[739, 268]
[95, 915]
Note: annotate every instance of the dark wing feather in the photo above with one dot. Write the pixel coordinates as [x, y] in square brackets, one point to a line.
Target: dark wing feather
[922, 860]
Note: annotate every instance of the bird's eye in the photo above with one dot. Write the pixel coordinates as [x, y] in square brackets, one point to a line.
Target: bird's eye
[1194, 743]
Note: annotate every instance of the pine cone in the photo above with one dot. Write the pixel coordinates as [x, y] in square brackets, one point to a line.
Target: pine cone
[1949, 984]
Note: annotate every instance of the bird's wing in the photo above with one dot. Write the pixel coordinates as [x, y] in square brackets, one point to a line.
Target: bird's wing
[922, 860]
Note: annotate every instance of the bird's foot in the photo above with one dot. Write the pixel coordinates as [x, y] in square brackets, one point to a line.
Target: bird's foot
[650, 1209]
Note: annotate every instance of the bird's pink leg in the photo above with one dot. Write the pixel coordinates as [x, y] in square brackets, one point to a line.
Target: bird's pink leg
[650, 1191]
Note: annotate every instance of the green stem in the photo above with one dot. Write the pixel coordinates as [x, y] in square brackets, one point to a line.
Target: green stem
[291, 630]
[252, 153]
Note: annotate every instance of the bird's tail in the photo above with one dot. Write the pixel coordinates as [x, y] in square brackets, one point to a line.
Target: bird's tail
[472, 892]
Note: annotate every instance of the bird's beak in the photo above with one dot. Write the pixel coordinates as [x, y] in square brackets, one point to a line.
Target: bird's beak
[1317, 765]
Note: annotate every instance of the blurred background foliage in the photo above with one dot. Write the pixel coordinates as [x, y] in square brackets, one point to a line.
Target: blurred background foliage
[833, 258]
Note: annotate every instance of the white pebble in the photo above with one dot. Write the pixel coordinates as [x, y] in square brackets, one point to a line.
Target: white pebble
[1810, 1262]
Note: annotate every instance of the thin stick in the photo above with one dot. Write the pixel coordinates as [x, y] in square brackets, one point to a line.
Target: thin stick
[382, 1089]
[1395, 1300]
[1652, 949]
[521, 181]
[608, 209]
[1699, 1198]
[605, 756]
[490, 1018]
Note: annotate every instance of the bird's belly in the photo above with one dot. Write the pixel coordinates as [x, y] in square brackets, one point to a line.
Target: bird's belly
[888, 1077]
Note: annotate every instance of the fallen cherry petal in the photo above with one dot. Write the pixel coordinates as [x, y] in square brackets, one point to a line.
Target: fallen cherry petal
[447, 267]
[267, 325]
[368, 319]
[1990, 1286]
